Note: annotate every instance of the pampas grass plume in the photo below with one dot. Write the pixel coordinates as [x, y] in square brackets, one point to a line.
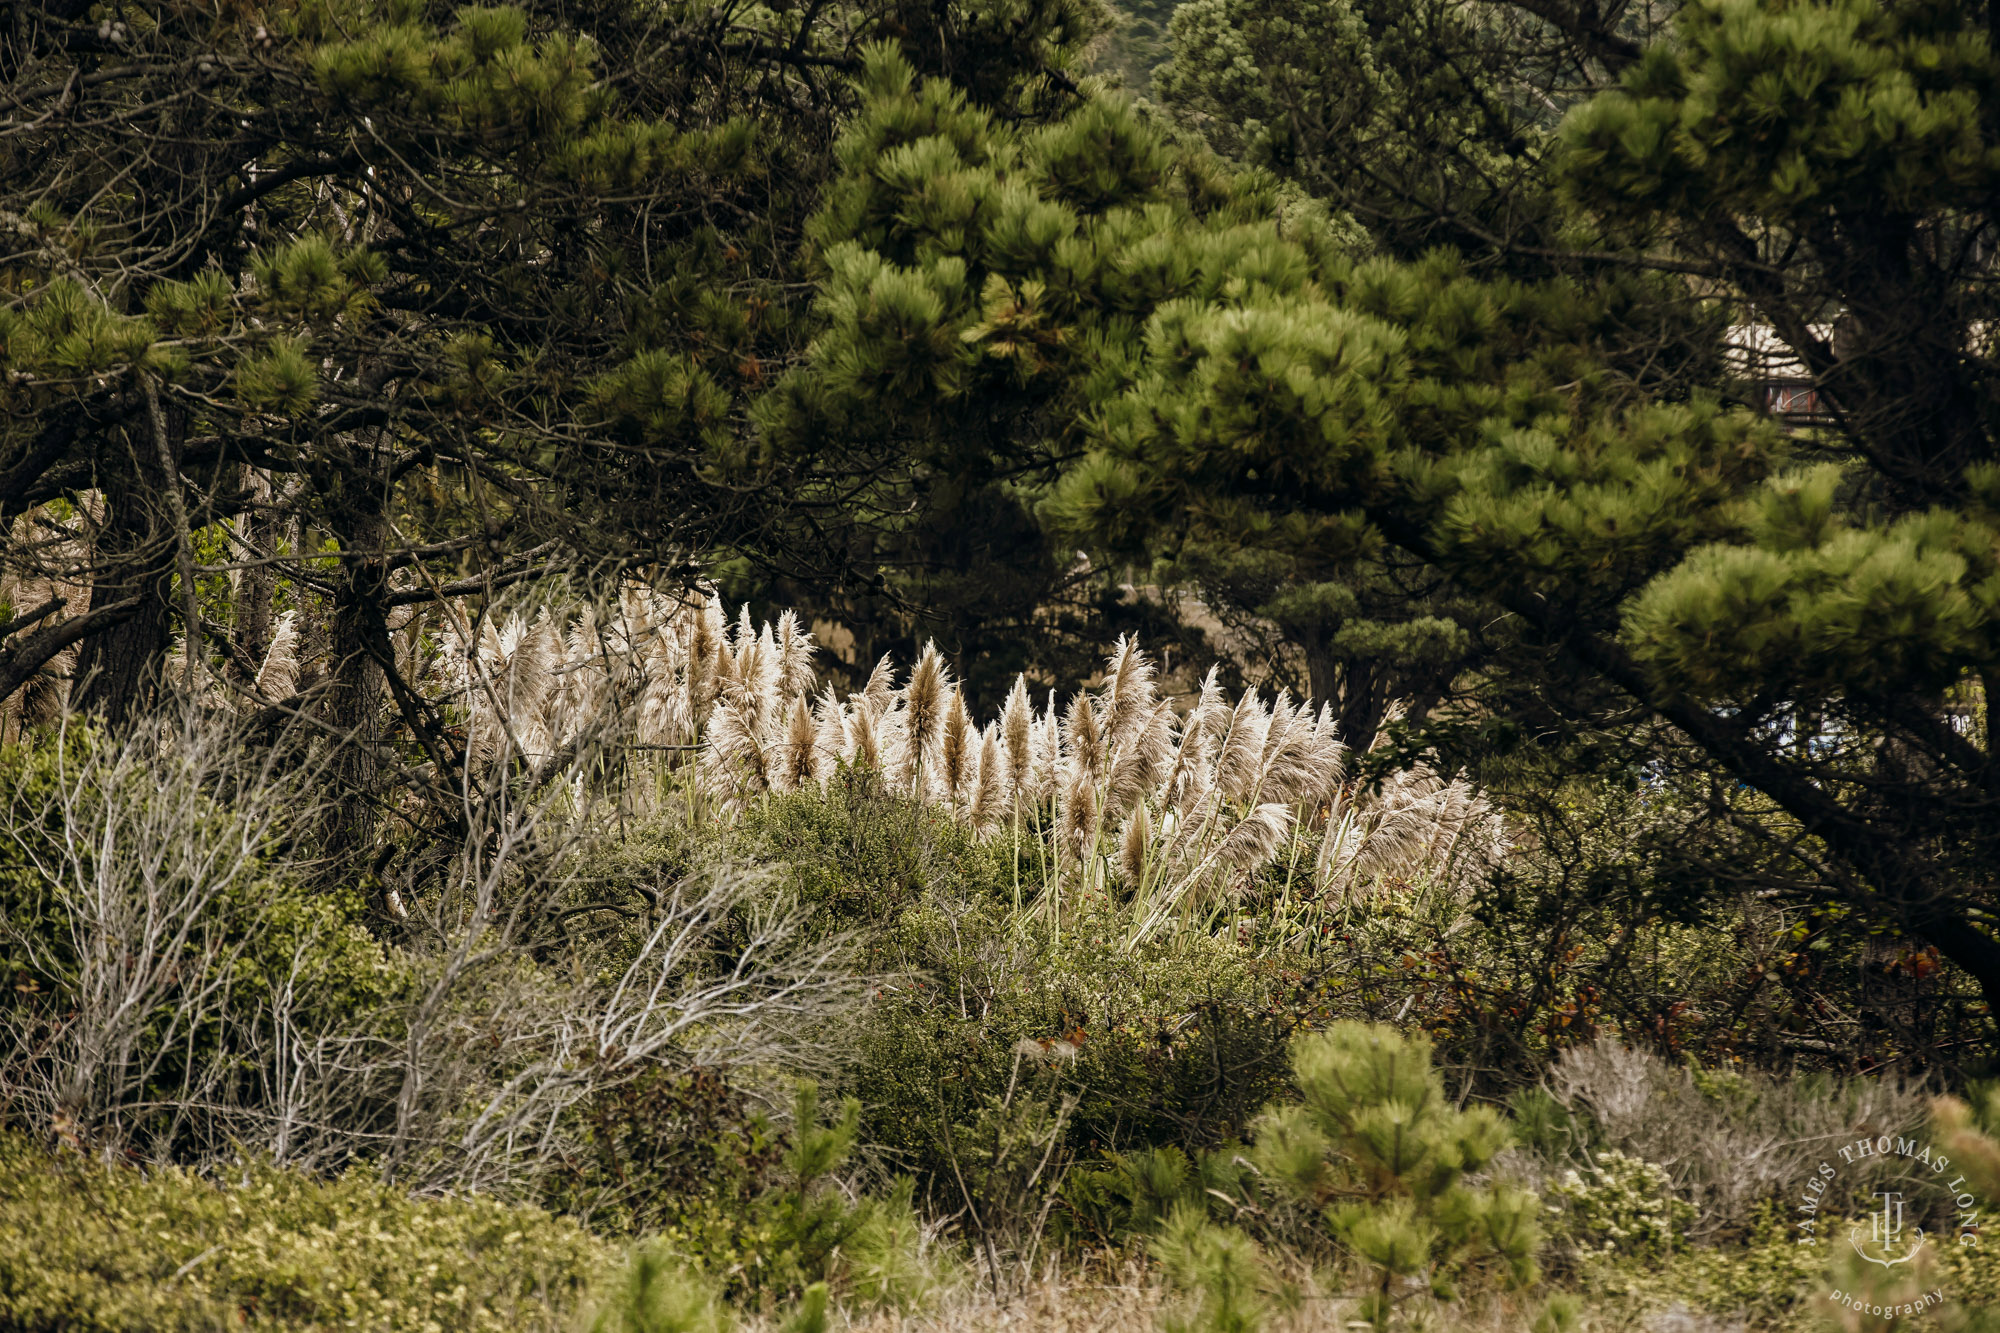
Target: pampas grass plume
[1136, 846]
[278, 676]
[990, 789]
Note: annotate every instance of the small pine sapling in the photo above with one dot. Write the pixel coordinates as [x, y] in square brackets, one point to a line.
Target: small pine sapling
[1378, 1154]
[1220, 1266]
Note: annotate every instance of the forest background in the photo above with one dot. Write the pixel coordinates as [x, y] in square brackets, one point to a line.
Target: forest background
[1245, 521]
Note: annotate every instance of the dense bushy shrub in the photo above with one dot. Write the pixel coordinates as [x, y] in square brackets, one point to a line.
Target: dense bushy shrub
[1731, 1141]
[1177, 1041]
[663, 1145]
[863, 855]
[1616, 1203]
[156, 941]
[112, 1249]
[1627, 911]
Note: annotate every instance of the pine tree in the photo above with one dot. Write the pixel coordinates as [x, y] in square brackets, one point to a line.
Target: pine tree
[371, 304]
[1800, 625]
[1372, 1165]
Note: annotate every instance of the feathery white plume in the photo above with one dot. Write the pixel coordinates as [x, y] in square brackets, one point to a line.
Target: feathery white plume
[956, 756]
[1256, 837]
[1076, 817]
[795, 651]
[795, 766]
[880, 691]
[1237, 766]
[1083, 741]
[923, 714]
[1135, 847]
[1045, 772]
[735, 760]
[829, 734]
[1128, 694]
[707, 651]
[1139, 757]
[864, 742]
[278, 676]
[1017, 725]
[989, 790]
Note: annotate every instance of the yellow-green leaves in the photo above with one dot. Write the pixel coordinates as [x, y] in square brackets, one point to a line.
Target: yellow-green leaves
[1293, 1152]
[1793, 108]
[1266, 396]
[282, 378]
[1391, 1236]
[113, 1247]
[894, 330]
[1902, 606]
[483, 75]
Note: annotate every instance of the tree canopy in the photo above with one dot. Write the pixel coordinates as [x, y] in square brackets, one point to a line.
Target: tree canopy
[407, 303]
[1425, 339]
[1800, 624]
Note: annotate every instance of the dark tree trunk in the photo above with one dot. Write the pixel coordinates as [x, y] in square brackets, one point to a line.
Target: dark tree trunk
[1356, 687]
[118, 669]
[253, 594]
[354, 700]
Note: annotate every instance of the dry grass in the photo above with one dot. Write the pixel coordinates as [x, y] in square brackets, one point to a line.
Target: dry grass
[1127, 1299]
[1132, 1299]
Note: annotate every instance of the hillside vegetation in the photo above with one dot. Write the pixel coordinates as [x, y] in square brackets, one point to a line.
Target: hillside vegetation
[1240, 666]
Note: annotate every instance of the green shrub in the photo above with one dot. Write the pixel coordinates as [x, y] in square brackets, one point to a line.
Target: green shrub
[1624, 1203]
[1134, 1193]
[863, 855]
[1378, 1149]
[656, 1293]
[663, 1148]
[1374, 1166]
[97, 1249]
[1221, 1268]
[1178, 1041]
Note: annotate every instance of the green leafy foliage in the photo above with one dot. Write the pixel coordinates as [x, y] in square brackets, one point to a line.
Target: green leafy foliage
[800, 1231]
[864, 855]
[1623, 1203]
[111, 1249]
[1178, 1042]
